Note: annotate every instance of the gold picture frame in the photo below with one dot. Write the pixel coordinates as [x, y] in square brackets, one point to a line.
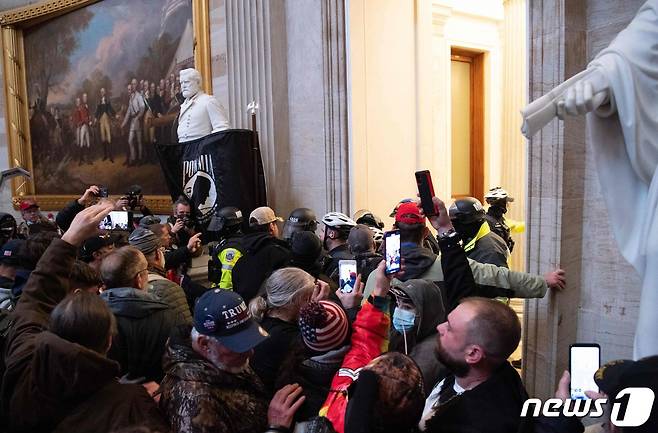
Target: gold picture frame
[12, 25]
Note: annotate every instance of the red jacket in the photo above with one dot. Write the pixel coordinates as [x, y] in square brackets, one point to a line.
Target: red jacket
[369, 340]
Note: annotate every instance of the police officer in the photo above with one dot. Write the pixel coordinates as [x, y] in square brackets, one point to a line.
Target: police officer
[301, 219]
[224, 255]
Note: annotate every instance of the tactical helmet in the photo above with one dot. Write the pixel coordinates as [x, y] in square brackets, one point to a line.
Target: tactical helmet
[7, 227]
[228, 216]
[466, 210]
[497, 193]
[300, 220]
[365, 217]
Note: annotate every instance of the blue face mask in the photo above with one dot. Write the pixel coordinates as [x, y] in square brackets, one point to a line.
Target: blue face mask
[403, 320]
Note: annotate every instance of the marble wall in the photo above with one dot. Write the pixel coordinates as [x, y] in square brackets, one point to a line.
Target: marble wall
[567, 220]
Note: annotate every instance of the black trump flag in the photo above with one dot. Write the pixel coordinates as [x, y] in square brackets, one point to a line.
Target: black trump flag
[218, 170]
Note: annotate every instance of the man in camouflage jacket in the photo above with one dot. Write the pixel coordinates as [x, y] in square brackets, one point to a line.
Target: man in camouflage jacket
[209, 386]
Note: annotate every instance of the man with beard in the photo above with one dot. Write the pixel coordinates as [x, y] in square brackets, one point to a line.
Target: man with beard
[474, 343]
[483, 392]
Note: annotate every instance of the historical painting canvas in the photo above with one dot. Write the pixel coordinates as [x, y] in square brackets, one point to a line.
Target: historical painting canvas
[98, 78]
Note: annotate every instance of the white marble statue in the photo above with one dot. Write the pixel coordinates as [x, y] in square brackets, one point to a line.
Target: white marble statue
[200, 114]
[619, 91]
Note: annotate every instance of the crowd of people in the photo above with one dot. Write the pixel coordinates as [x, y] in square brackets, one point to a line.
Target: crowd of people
[106, 332]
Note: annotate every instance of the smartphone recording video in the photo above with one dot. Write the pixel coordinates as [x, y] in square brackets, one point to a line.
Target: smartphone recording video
[116, 220]
[426, 192]
[347, 275]
[392, 249]
[584, 361]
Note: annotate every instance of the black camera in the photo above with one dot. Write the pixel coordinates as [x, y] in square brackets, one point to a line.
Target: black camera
[134, 197]
[103, 192]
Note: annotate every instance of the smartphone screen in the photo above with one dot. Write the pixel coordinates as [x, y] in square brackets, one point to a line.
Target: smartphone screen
[584, 360]
[116, 220]
[392, 248]
[347, 275]
[425, 191]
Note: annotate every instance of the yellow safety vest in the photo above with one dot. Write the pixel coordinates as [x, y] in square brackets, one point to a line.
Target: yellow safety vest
[228, 257]
[484, 230]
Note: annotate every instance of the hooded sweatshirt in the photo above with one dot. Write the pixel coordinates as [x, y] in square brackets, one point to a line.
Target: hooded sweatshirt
[262, 255]
[144, 323]
[430, 311]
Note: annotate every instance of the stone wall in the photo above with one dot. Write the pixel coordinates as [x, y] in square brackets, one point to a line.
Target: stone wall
[567, 220]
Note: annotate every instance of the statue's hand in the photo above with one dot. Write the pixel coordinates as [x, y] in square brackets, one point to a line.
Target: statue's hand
[581, 99]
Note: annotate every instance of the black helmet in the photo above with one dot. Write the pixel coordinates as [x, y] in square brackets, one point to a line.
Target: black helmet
[365, 217]
[467, 210]
[228, 216]
[7, 227]
[301, 219]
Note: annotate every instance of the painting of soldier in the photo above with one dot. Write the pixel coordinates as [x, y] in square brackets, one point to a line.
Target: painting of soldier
[97, 78]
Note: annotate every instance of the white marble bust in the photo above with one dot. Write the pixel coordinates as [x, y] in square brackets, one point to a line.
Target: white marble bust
[200, 114]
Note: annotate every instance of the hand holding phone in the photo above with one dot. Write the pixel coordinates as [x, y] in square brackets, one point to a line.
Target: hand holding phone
[392, 251]
[584, 361]
[426, 192]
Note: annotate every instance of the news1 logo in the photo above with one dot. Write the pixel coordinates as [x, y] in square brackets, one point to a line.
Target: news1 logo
[631, 407]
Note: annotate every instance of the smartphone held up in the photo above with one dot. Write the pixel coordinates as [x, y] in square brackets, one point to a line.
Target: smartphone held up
[426, 192]
[392, 251]
[347, 275]
[584, 361]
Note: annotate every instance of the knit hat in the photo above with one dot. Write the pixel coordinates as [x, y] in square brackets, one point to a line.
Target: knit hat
[144, 240]
[324, 326]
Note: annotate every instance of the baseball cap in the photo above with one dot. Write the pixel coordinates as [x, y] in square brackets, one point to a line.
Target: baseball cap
[409, 213]
[28, 204]
[94, 244]
[9, 252]
[224, 315]
[263, 215]
[617, 375]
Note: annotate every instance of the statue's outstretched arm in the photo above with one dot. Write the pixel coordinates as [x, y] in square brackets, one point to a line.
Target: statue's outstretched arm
[586, 91]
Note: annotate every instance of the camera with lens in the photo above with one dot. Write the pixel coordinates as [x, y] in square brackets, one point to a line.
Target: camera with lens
[103, 192]
[134, 197]
[188, 221]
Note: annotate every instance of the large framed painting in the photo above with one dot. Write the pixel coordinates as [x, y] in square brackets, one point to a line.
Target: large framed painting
[71, 68]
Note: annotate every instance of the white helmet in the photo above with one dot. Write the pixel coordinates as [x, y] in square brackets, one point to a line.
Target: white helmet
[338, 220]
[497, 193]
[377, 234]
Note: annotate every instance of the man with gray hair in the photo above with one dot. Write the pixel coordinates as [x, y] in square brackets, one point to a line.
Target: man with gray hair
[209, 385]
[200, 114]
